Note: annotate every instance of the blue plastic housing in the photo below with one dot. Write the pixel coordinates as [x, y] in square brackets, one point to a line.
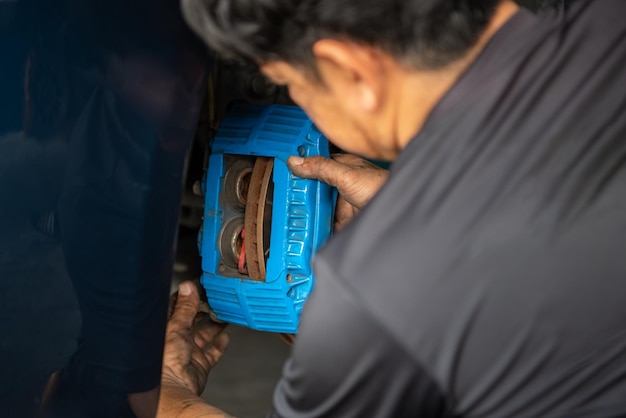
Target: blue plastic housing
[302, 218]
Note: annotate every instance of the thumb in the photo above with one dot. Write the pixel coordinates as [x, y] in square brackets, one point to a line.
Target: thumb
[186, 304]
[319, 168]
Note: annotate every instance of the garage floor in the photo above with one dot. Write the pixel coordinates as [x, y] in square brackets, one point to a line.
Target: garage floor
[242, 383]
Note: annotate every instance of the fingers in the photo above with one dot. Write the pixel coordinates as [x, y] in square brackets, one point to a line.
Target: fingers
[352, 160]
[201, 368]
[215, 351]
[193, 343]
[202, 361]
[325, 169]
[344, 213]
[186, 305]
[356, 179]
[206, 330]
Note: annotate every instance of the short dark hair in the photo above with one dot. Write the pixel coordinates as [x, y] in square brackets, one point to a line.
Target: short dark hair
[419, 33]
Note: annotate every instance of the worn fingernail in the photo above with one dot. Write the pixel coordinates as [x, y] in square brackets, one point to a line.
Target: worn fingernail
[293, 160]
[184, 289]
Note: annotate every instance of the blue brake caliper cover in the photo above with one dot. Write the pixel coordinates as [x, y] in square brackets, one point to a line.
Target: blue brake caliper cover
[301, 221]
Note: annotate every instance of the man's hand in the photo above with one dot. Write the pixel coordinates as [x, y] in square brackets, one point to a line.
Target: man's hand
[356, 179]
[193, 345]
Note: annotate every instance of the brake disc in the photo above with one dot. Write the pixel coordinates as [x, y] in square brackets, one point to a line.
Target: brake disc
[257, 220]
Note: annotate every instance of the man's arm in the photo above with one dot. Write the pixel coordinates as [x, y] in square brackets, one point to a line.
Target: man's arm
[179, 402]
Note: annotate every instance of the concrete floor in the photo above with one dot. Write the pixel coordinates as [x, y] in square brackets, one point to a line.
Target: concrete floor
[242, 383]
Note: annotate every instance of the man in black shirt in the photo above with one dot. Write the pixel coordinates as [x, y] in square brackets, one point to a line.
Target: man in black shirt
[486, 277]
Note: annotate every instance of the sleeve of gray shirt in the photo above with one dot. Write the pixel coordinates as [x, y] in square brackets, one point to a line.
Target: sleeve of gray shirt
[343, 364]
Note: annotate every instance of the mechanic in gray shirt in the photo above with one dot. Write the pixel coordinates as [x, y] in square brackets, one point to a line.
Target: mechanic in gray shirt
[487, 277]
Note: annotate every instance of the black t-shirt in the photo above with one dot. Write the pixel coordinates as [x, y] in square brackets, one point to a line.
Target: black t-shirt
[488, 276]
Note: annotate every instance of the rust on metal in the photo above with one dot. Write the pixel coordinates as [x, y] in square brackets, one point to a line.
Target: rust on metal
[254, 216]
[262, 218]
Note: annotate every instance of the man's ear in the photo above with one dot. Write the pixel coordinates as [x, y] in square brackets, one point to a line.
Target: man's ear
[354, 71]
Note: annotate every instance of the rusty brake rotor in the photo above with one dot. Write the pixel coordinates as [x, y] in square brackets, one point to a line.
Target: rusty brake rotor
[257, 220]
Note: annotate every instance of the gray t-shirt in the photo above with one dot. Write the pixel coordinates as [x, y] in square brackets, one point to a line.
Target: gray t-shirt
[488, 276]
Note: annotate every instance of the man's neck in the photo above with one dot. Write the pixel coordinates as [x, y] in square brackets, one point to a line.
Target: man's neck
[411, 110]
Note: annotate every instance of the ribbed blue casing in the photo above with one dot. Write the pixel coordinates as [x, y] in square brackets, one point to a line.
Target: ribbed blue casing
[302, 218]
